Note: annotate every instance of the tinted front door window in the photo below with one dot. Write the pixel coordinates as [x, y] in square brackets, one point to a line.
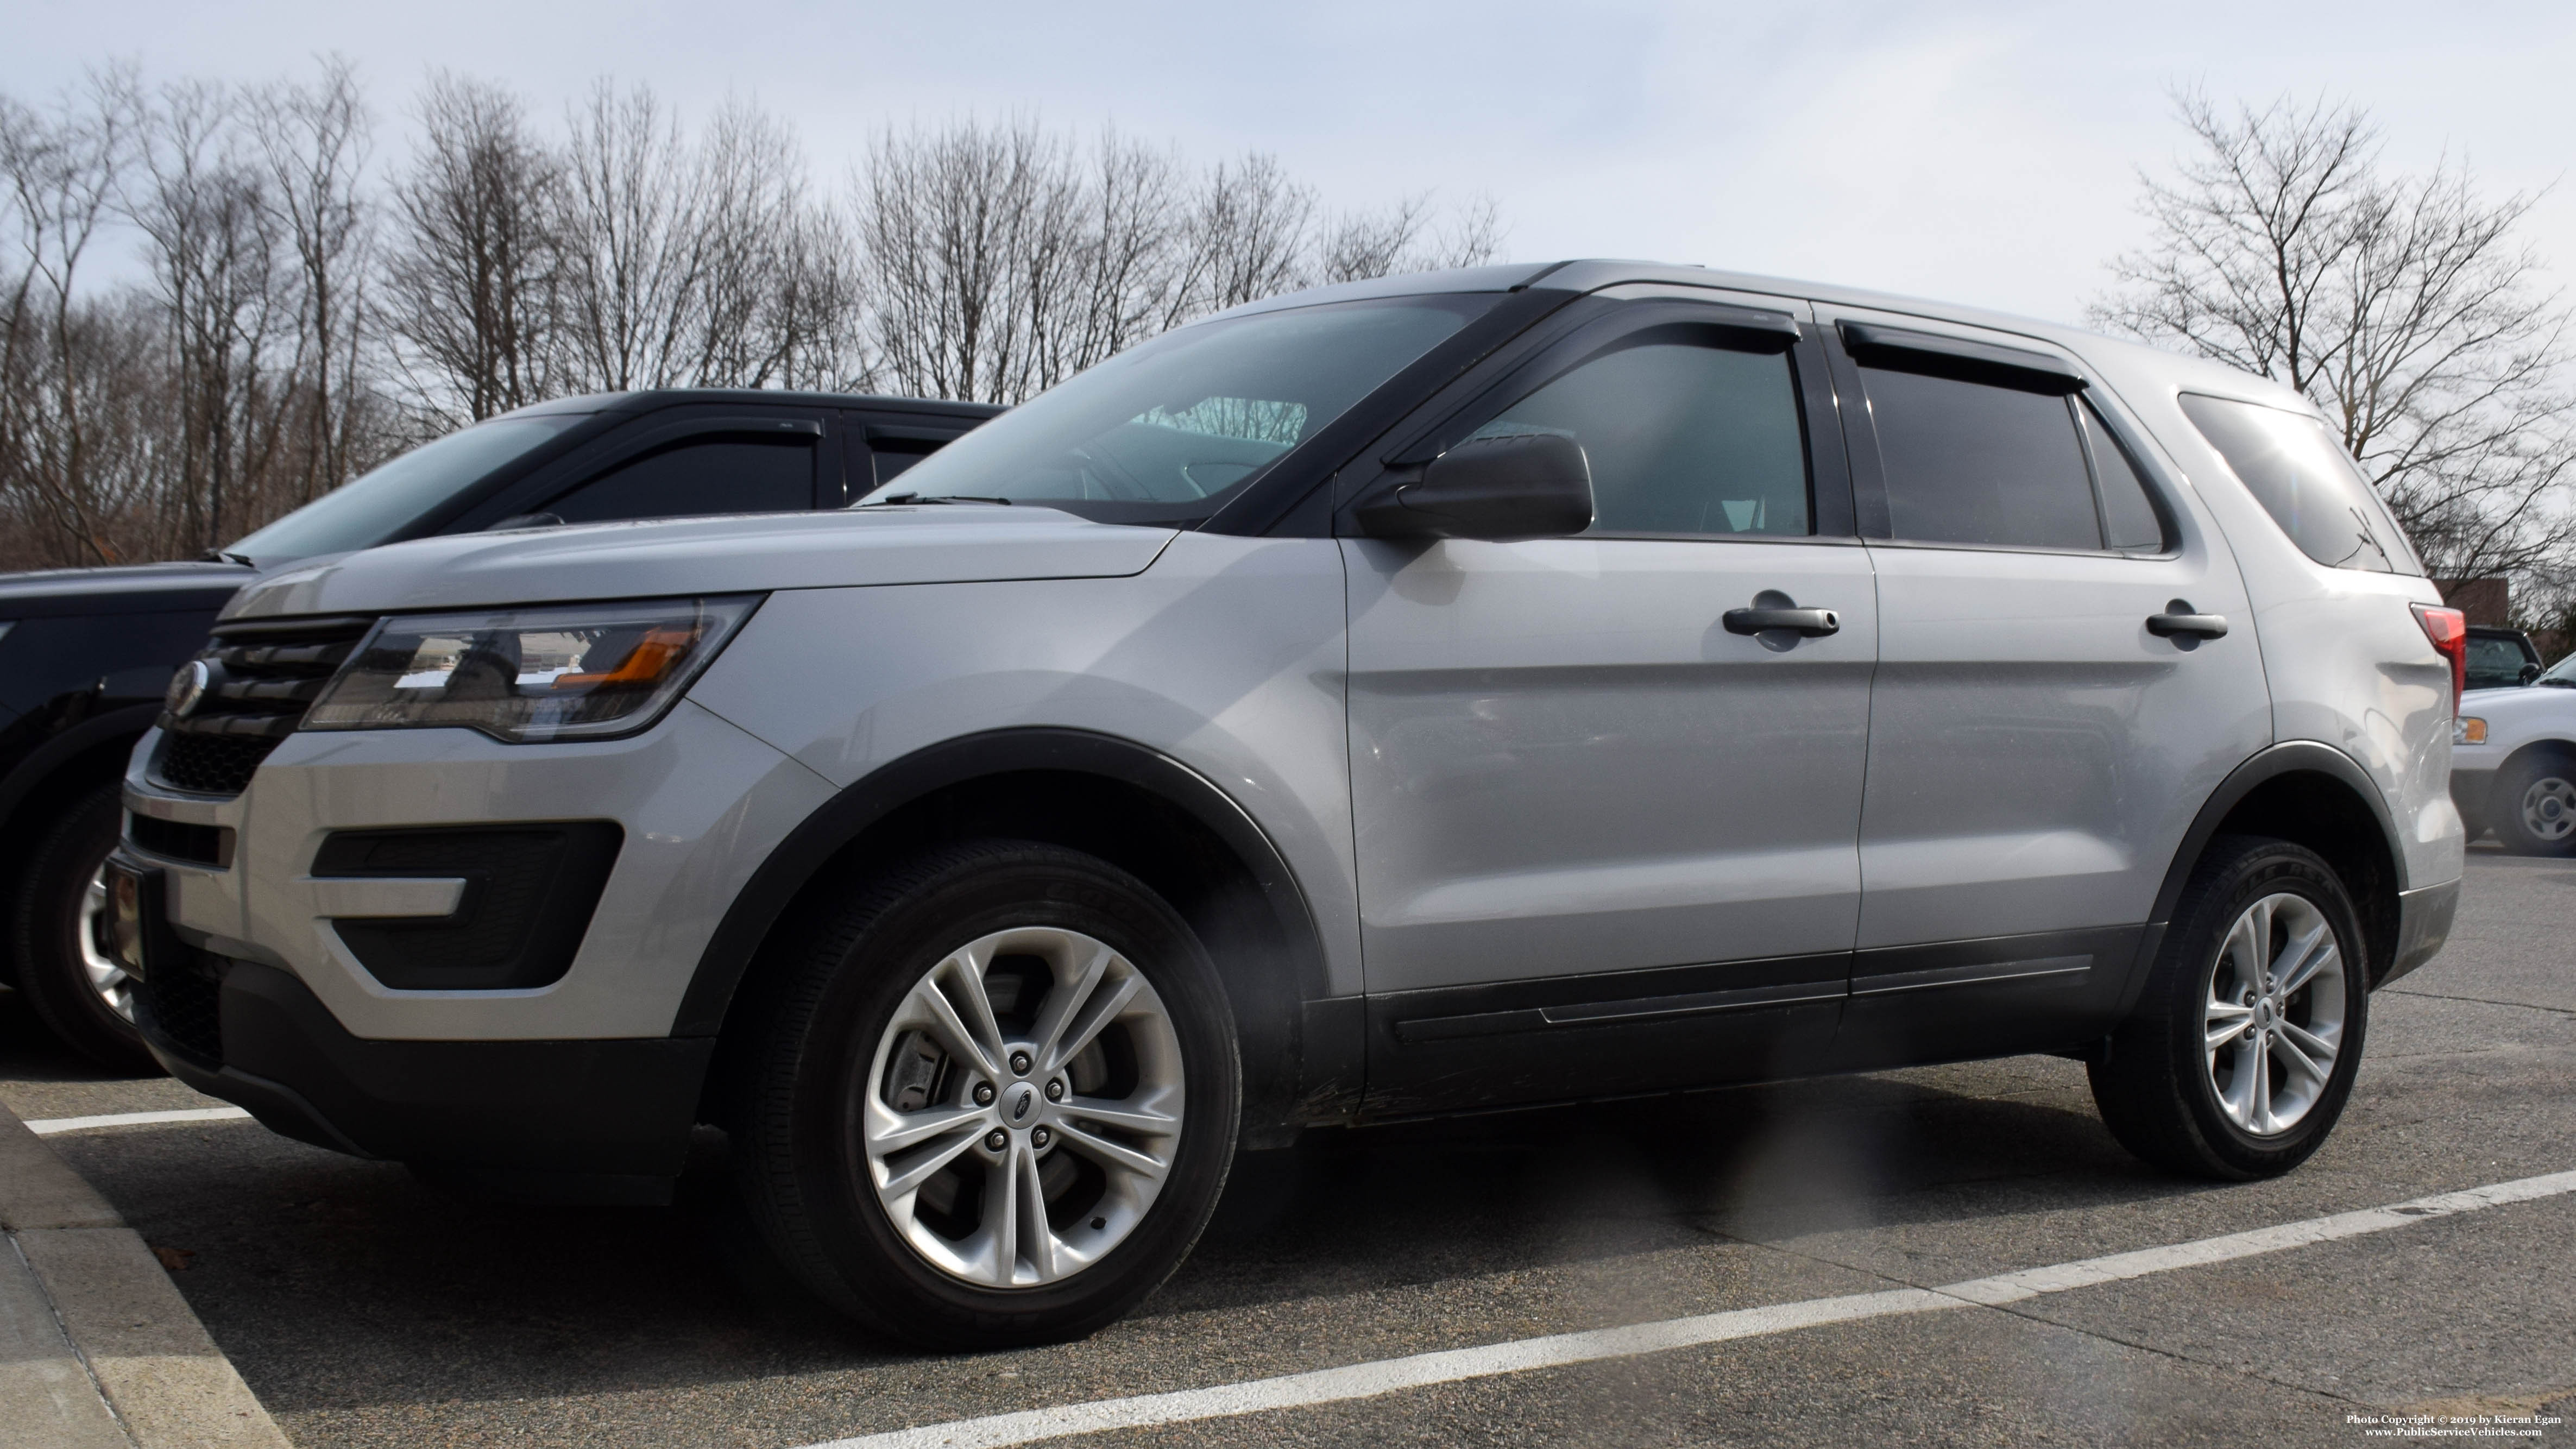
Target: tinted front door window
[708, 475]
[1971, 463]
[1681, 439]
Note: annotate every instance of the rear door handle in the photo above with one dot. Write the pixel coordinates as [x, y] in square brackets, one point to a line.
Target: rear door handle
[2178, 619]
[1808, 623]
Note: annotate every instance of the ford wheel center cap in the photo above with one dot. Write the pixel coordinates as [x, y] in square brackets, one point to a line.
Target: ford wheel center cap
[187, 688]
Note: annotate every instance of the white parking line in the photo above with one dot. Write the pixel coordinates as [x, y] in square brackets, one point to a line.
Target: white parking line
[48, 1126]
[1366, 1380]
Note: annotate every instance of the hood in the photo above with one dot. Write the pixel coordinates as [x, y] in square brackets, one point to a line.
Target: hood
[120, 589]
[2514, 698]
[739, 554]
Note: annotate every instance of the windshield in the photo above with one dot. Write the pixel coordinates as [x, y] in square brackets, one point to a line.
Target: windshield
[2562, 673]
[371, 510]
[1167, 431]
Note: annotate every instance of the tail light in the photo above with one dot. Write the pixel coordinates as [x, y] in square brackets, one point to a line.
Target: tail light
[2449, 631]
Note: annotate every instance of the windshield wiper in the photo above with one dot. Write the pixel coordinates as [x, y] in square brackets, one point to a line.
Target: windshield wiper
[216, 555]
[911, 498]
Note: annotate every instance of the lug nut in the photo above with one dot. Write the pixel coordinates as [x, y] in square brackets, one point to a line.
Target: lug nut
[983, 1094]
[1040, 1138]
[1055, 1091]
[996, 1140]
[1020, 1063]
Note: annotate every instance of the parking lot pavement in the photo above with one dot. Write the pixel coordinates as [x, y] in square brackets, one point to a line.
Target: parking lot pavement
[367, 1308]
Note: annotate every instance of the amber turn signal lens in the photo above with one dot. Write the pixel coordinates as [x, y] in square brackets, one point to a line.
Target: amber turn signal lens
[2469, 730]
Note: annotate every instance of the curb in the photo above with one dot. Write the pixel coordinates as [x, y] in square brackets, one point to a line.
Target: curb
[96, 1345]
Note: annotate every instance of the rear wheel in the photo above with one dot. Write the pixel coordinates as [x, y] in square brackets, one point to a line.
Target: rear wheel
[2243, 1047]
[64, 967]
[2534, 806]
[995, 1102]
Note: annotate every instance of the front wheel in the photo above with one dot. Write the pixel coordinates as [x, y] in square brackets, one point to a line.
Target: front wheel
[994, 1101]
[2244, 1044]
[64, 965]
[2534, 805]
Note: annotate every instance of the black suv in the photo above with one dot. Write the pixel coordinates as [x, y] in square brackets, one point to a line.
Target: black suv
[87, 654]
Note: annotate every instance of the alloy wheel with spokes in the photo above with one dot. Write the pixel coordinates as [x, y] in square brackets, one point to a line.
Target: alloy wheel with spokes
[2240, 1052]
[989, 1100]
[107, 975]
[2275, 1013]
[1023, 1107]
[59, 936]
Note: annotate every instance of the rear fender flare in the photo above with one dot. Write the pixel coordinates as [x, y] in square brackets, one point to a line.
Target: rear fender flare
[2291, 757]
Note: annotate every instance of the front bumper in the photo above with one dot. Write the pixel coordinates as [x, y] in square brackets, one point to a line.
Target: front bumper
[597, 1119]
[698, 803]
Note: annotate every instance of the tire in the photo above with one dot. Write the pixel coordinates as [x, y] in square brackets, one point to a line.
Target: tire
[852, 1069]
[75, 988]
[2533, 806]
[2182, 1105]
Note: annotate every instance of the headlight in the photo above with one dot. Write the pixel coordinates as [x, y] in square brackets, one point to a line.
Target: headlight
[565, 672]
[2468, 729]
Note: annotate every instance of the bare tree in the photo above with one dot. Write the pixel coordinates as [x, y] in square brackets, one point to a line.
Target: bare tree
[1359, 245]
[704, 265]
[631, 256]
[226, 303]
[2405, 306]
[314, 141]
[778, 293]
[299, 318]
[1002, 259]
[472, 272]
[62, 173]
[1247, 237]
[945, 224]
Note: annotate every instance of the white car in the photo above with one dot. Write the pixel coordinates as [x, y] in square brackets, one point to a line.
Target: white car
[2513, 762]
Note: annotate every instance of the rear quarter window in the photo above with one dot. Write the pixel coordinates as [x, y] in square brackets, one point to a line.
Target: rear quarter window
[2304, 479]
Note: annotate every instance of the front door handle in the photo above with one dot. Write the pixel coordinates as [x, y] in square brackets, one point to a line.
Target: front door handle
[1807, 623]
[2178, 619]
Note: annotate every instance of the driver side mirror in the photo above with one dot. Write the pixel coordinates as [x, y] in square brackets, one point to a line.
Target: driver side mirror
[1529, 485]
[2527, 673]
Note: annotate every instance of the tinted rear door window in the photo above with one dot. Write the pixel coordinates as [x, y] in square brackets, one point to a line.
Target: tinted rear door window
[699, 476]
[2129, 516]
[1972, 463]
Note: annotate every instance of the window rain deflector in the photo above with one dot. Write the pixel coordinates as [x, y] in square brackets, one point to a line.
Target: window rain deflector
[1874, 344]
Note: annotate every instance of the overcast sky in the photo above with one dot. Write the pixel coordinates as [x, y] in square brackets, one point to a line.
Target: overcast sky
[1982, 153]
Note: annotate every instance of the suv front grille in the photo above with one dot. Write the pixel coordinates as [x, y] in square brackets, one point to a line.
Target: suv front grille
[266, 674]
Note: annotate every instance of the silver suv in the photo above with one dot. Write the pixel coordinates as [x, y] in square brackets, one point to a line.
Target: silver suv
[1504, 686]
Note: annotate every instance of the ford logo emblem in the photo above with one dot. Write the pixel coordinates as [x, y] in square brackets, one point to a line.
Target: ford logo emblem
[188, 688]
